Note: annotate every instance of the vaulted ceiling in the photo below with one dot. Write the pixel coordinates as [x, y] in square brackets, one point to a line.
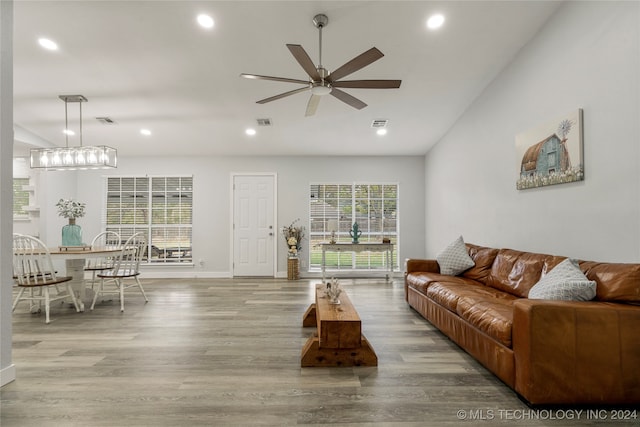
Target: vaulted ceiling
[149, 65]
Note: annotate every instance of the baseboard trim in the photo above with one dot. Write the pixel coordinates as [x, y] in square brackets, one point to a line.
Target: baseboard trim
[158, 274]
[7, 375]
[185, 275]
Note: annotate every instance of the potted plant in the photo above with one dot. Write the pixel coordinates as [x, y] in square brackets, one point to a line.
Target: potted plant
[293, 235]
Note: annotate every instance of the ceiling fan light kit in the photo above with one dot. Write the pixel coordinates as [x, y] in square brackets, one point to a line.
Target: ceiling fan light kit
[320, 90]
[321, 82]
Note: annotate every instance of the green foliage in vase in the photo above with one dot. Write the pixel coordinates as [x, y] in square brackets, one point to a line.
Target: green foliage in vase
[69, 208]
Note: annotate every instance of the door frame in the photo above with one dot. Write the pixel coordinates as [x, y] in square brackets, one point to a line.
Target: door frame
[276, 232]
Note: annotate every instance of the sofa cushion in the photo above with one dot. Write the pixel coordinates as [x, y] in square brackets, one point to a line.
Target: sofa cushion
[615, 282]
[491, 315]
[421, 280]
[447, 292]
[516, 272]
[454, 259]
[564, 282]
[483, 259]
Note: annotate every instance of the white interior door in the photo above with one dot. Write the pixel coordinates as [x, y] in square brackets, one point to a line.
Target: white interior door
[254, 231]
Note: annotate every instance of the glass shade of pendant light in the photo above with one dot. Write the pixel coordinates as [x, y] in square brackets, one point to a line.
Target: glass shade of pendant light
[73, 158]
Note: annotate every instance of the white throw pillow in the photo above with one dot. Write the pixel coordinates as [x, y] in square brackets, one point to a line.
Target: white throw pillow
[565, 282]
[454, 259]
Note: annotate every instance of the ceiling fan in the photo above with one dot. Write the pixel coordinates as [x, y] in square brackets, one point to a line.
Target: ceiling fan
[321, 82]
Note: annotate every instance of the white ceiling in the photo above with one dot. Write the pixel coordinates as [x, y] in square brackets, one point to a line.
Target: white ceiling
[147, 64]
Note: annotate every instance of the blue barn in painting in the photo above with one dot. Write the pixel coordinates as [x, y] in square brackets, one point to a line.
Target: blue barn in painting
[547, 157]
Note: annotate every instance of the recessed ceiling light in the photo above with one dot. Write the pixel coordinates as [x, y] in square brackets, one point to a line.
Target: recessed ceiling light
[145, 132]
[381, 131]
[48, 44]
[68, 132]
[435, 21]
[250, 132]
[205, 21]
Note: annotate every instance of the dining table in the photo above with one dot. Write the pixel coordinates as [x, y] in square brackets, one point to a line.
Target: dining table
[75, 259]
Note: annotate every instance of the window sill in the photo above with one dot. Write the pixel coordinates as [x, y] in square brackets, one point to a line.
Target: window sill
[167, 264]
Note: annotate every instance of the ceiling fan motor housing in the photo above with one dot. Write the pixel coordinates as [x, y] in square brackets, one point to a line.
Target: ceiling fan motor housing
[323, 73]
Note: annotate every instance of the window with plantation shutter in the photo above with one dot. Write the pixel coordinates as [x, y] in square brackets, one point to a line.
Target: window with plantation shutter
[373, 206]
[161, 207]
[20, 198]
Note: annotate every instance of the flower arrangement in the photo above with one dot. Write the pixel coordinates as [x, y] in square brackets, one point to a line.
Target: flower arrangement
[293, 235]
[68, 208]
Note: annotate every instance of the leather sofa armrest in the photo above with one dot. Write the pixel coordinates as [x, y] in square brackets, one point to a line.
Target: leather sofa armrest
[417, 265]
[576, 352]
[426, 265]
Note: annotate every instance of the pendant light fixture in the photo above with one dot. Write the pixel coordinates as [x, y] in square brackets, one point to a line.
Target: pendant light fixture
[73, 158]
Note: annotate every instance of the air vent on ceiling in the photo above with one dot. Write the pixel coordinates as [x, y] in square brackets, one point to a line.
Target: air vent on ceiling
[106, 120]
[379, 123]
[264, 122]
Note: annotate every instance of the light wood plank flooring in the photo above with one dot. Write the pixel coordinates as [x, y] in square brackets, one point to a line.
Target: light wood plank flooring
[227, 352]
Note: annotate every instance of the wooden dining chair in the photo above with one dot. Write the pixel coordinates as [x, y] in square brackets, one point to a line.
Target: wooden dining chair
[126, 266]
[33, 270]
[104, 240]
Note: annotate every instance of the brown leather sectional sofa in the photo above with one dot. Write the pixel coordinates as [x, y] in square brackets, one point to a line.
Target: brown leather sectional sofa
[549, 352]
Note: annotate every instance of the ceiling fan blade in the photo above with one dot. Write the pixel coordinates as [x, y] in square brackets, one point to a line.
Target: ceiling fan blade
[357, 63]
[305, 62]
[312, 106]
[282, 95]
[275, 79]
[348, 99]
[368, 84]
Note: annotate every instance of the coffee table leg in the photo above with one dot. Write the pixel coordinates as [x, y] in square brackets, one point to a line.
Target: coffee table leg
[315, 356]
[309, 317]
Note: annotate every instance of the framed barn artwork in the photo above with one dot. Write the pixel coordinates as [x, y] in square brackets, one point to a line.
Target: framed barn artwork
[551, 153]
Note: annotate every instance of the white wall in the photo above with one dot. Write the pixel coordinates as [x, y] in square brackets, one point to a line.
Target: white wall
[587, 56]
[212, 199]
[50, 187]
[7, 368]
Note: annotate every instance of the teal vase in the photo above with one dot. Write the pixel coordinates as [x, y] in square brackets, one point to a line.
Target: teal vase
[71, 234]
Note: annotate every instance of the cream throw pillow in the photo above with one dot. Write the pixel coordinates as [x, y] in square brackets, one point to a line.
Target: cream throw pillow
[565, 282]
[454, 259]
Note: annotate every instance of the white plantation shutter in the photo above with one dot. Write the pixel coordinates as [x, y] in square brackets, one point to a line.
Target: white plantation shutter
[161, 207]
[20, 198]
[373, 206]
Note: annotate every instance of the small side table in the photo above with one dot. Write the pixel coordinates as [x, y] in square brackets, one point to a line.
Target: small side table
[359, 247]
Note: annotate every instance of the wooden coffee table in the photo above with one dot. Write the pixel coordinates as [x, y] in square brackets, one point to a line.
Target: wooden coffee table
[338, 340]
